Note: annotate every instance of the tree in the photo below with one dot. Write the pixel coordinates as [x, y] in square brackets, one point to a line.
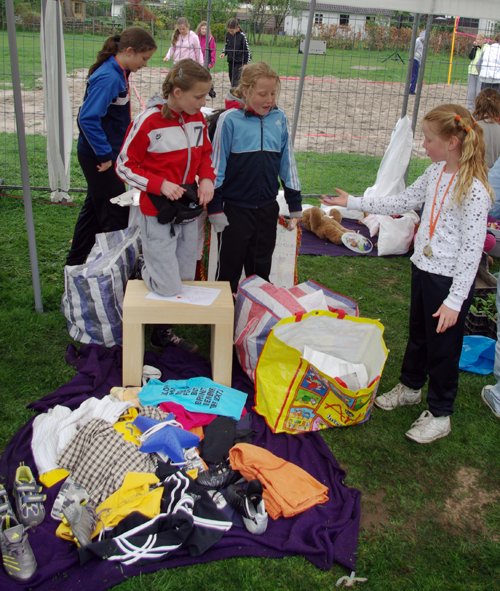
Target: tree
[263, 11]
[196, 11]
[68, 9]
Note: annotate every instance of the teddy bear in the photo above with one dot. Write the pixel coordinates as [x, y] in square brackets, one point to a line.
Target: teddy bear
[327, 227]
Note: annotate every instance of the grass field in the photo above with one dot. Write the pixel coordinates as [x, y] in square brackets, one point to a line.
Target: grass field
[430, 513]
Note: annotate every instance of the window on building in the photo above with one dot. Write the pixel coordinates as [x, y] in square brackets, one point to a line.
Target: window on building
[370, 19]
[77, 8]
[318, 18]
[344, 20]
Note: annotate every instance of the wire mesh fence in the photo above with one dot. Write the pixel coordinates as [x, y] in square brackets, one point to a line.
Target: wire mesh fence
[354, 91]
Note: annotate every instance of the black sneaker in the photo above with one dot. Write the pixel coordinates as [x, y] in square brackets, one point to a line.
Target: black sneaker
[246, 498]
[163, 336]
[137, 271]
[218, 476]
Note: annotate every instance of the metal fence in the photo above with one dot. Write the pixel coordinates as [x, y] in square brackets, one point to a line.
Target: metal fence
[354, 91]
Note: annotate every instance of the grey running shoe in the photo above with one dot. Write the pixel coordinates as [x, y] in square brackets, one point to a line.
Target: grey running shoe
[69, 490]
[81, 519]
[5, 506]
[28, 496]
[427, 428]
[246, 498]
[400, 395]
[17, 556]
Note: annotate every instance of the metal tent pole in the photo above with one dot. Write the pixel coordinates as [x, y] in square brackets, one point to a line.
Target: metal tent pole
[23, 158]
[300, 89]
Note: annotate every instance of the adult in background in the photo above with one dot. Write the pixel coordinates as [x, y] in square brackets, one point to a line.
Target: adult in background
[185, 44]
[417, 58]
[473, 84]
[103, 120]
[489, 65]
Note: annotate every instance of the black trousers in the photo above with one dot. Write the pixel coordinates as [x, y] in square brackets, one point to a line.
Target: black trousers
[429, 354]
[247, 243]
[234, 72]
[97, 213]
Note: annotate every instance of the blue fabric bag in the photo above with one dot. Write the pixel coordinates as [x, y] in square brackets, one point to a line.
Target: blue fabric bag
[478, 354]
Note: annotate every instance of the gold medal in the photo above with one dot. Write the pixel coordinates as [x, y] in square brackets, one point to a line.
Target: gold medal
[428, 250]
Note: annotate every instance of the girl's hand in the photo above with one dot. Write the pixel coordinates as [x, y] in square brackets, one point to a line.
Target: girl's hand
[172, 191]
[339, 199]
[222, 55]
[205, 191]
[447, 318]
[292, 223]
[104, 166]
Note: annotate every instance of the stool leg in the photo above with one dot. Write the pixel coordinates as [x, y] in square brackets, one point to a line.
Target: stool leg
[221, 353]
[133, 354]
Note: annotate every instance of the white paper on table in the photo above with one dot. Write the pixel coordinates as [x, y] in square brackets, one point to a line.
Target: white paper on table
[190, 294]
[353, 374]
[313, 301]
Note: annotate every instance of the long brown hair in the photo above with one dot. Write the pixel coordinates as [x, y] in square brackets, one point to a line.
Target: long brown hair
[135, 37]
[454, 120]
[184, 75]
[488, 105]
[180, 21]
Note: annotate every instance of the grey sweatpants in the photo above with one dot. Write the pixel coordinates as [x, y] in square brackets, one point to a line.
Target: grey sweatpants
[168, 260]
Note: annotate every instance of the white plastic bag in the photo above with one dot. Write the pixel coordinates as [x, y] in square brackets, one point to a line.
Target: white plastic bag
[395, 235]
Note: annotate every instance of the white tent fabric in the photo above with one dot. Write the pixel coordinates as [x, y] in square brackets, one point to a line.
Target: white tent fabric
[58, 115]
[489, 9]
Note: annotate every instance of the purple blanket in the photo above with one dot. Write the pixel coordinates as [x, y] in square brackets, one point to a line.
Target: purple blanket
[311, 244]
[324, 535]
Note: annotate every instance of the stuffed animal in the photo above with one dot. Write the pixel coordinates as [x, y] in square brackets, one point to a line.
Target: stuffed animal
[327, 227]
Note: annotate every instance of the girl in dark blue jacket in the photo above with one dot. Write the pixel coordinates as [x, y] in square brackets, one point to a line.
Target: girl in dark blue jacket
[103, 120]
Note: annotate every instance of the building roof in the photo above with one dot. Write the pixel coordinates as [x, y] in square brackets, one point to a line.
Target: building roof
[345, 9]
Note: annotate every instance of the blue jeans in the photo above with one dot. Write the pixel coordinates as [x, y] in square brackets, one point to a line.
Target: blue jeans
[494, 179]
[496, 367]
[414, 76]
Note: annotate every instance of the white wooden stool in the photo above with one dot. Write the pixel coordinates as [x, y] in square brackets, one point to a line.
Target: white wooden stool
[139, 311]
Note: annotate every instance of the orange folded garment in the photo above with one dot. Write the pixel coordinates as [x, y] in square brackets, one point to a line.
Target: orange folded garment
[288, 489]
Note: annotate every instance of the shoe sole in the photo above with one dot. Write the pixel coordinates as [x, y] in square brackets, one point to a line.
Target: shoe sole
[440, 436]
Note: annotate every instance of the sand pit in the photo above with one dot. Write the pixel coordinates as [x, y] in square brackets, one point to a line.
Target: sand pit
[337, 115]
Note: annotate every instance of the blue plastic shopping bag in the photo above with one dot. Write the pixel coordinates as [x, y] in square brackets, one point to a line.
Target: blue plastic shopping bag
[478, 354]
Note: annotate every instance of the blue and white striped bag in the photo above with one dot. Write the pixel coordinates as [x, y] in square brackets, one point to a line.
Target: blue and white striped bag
[93, 292]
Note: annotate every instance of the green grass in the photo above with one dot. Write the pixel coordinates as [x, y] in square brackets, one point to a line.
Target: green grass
[81, 51]
[430, 513]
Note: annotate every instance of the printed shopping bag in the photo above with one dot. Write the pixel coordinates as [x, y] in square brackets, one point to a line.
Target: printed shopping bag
[260, 305]
[93, 292]
[295, 392]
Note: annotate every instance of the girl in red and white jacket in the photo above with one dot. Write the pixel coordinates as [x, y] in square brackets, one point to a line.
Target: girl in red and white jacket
[167, 146]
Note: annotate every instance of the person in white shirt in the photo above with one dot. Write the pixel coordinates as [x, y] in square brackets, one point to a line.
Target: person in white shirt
[455, 196]
[489, 65]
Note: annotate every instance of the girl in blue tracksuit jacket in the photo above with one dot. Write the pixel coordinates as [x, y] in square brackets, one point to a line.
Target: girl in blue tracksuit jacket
[251, 152]
[103, 120]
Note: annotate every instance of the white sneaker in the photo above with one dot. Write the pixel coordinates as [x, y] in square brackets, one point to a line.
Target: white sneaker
[400, 395]
[428, 428]
[491, 400]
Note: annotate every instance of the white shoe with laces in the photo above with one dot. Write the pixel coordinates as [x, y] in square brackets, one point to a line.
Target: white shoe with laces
[427, 428]
[400, 395]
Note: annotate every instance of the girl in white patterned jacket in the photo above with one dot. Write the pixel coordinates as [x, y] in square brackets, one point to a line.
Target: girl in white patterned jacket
[455, 196]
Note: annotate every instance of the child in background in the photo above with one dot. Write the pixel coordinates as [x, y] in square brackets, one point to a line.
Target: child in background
[203, 35]
[185, 44]
[103, 120]
[448, 245]
[236, 50]
[210, 56]
[487, 114]
[491, 394]
[167, 146]
[251, 150]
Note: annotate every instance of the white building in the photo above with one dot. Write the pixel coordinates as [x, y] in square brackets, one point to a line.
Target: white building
[329, 13]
